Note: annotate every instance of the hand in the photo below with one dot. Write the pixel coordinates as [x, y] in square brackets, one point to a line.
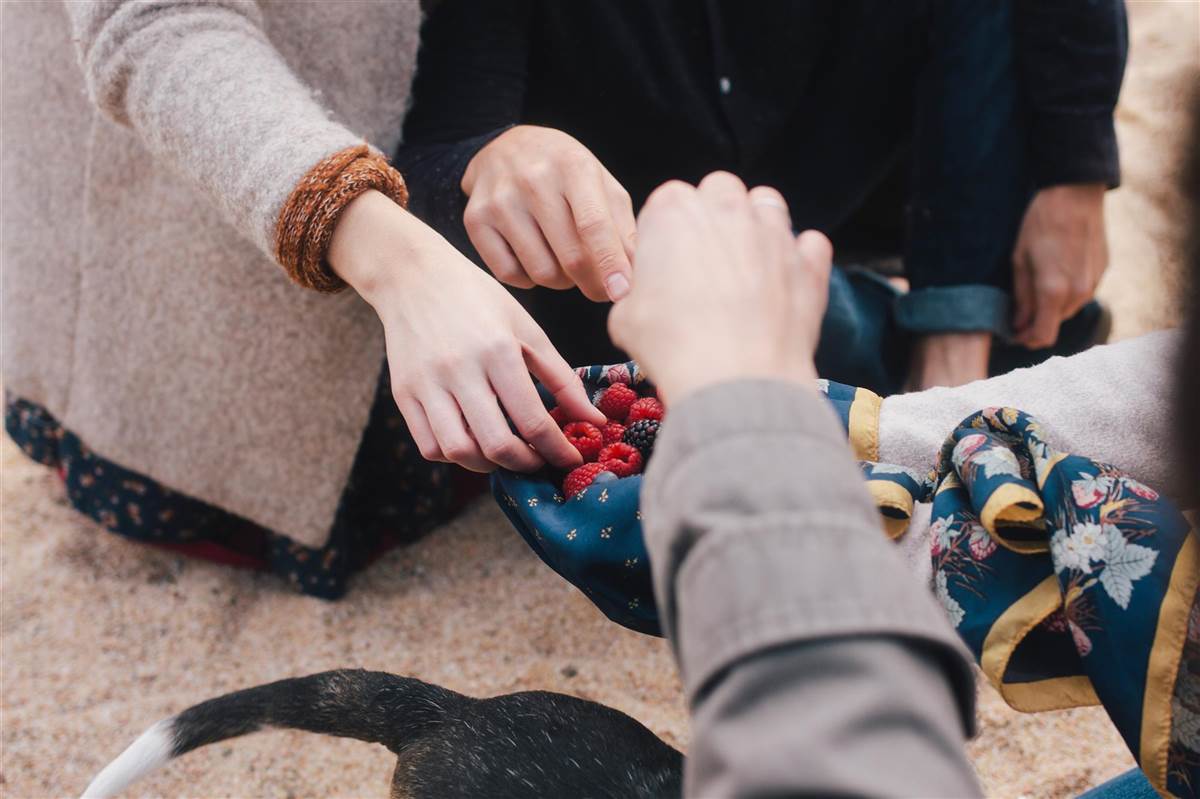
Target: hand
[1061, 254]
[459, 346]
[721, 288]
[543, 211]
[948, 359]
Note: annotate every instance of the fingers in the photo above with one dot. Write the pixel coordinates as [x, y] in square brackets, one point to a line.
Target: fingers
[491, 431]
[508, 216]
[606, 271]
[1023, 294]
[770, 208]
[723, 189]
[1042, 331]
[512, 384]
[816, 253]
[621, 206]
[498, 256]
[418, 428]
[450, 430]
[558, 378]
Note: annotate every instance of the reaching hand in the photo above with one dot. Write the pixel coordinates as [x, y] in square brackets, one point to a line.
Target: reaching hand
[543, 211]
[459, 347]
[1061, 254]
[722, 289]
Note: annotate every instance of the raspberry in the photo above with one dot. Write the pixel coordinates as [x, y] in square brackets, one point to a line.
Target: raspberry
[586, 438]
[559, 416]
[614, 402]
[646, 408]
[581, 477]
[621, 459]
[641, 434]
[612, 432]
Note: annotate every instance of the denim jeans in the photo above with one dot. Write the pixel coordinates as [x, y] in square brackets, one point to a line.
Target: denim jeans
[1130, 785]
[970, 181]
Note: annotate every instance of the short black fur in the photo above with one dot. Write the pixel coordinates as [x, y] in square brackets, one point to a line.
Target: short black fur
[452, 746]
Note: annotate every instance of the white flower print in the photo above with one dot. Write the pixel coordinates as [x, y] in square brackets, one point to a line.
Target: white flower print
[942, 533]
[981, 542]
[1078, 548]
[1089, 490]
[949, 603]
[1124, 563]
[997, 461]
[823, 385]
[967, 445]
[1141, 489]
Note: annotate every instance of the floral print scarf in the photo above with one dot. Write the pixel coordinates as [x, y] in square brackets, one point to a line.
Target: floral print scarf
[1071, 582]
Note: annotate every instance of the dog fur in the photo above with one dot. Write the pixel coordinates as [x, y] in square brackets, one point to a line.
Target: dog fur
[447, 745]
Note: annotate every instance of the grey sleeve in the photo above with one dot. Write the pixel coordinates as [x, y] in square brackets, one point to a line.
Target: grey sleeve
[792, 616]
[209, 95]
[837, 719]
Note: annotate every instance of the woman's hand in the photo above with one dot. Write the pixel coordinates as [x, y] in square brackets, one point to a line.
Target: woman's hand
[459, 347]
[543, 211]
[722, 290]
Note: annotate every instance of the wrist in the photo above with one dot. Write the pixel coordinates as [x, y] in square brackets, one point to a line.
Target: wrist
[678, 383]
[377, 245]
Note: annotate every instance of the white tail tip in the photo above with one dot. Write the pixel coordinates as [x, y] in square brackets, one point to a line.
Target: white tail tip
[150, 751]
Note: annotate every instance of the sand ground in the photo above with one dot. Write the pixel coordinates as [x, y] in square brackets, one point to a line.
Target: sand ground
[101, 637]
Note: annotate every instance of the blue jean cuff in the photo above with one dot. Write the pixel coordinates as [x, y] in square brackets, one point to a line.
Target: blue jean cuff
[955, 309]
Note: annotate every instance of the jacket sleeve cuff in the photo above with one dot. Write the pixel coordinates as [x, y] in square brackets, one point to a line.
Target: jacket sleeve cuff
[1074, 148]
[311, 212]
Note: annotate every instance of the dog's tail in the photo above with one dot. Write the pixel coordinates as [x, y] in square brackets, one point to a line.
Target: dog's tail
[351, 703]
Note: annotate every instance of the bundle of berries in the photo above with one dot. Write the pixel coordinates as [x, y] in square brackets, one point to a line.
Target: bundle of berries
[618, 449]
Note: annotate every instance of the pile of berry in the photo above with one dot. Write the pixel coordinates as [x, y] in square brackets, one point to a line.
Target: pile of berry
[618, 449]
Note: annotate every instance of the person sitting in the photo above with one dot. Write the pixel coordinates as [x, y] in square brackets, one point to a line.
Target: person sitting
[539, 128]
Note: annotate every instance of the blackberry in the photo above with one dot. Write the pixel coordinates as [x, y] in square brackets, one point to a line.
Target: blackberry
[641, 434]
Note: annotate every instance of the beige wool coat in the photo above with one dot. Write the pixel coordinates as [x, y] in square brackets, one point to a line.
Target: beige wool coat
[147, 150]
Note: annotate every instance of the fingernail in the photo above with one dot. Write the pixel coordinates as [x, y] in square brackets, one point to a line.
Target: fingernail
[617, 286]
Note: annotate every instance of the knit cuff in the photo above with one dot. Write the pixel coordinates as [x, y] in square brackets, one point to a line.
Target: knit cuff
[311, 212]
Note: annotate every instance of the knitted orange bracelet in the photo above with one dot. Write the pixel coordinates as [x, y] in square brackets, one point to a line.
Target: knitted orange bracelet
[311, 211]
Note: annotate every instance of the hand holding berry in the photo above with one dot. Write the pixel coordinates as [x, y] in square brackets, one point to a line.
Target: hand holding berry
[722, 290]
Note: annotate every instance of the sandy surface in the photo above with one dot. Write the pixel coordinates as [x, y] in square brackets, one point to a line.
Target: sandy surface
[101, 637]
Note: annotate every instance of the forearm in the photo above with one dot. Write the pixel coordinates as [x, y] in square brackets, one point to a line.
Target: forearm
[208, 94]
[865, 717]
[762, 536]
[1111, 403]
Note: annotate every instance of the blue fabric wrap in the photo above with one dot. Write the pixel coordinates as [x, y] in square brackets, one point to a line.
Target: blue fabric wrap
[594, 540]
[1071, 582]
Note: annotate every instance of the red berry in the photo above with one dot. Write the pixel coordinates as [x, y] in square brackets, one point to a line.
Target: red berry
[581, 477]
[586, 438]
[615, 401]
[559, 416]
[612, 432]
[646, 408]
[621, 459]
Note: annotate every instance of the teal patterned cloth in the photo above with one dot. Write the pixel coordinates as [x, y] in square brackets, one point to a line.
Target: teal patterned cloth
[1071, 582]
[593, 539]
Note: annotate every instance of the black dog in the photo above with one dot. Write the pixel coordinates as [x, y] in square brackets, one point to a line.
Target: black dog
[448, 746]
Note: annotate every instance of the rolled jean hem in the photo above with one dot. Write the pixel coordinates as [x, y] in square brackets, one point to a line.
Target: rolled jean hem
[955, 309]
